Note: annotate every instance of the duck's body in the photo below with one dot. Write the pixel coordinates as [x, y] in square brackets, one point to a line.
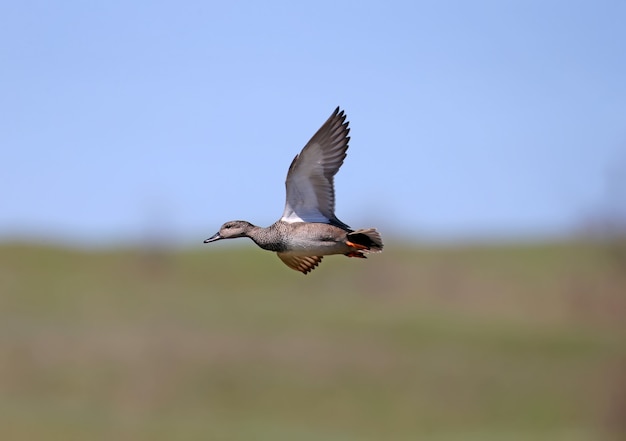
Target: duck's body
[309, 228]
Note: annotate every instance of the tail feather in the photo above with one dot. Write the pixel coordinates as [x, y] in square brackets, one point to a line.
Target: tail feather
[369, 238]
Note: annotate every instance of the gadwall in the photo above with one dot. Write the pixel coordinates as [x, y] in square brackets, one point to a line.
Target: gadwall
[309, 228]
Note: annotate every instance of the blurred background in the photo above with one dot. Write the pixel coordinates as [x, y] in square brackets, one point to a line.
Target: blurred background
[488, 145]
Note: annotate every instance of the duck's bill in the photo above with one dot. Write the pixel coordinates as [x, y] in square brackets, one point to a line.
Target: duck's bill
[213, 238]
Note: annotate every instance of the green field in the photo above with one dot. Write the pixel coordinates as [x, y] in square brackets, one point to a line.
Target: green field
[519, 342]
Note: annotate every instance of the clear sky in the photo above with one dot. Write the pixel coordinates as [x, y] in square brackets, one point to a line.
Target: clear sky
[120, 119]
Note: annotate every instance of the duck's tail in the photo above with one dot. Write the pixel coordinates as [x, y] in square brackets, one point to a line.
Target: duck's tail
[365, 240]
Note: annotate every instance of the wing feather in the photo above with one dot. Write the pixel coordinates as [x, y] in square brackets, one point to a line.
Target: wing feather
[304, 264]
[310, 180]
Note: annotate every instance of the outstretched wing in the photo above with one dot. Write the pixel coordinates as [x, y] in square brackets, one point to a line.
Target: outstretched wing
[310, 180]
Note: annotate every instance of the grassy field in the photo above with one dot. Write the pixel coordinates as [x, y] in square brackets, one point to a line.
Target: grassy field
[524, 342]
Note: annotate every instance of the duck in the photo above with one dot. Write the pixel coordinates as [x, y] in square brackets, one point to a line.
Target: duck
[308, 230]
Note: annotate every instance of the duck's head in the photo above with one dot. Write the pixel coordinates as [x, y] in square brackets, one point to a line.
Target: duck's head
[231, 230]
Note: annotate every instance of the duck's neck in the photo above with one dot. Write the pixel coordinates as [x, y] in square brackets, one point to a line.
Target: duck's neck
[267, 238]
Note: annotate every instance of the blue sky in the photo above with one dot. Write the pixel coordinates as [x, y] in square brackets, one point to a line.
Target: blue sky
[484, 118]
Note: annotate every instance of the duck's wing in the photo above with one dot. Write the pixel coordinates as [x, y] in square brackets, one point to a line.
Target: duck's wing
[304, 264]
[310, 180]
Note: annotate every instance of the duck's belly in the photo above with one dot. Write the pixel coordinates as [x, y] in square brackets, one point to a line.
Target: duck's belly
[323, 246]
